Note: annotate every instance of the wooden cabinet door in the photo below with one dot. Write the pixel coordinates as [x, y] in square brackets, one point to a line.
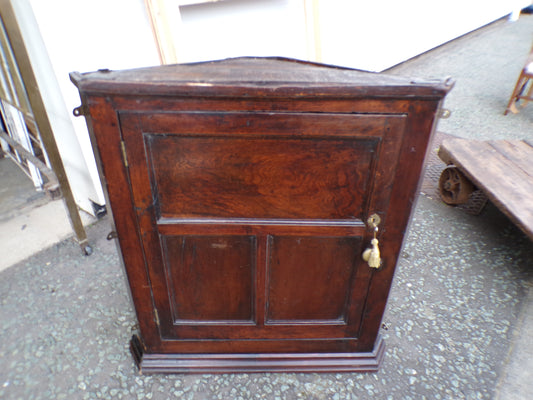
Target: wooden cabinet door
[253, 224]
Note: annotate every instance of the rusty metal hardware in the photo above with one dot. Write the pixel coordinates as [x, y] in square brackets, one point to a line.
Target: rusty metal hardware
[454, 187]
[79, 111]
[112, 235]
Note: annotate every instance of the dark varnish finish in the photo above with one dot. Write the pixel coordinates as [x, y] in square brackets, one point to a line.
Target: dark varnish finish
[240, 190]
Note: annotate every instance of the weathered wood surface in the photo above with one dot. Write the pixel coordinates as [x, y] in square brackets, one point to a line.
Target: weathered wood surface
[240, 191]
[250, 76]
[503, 169]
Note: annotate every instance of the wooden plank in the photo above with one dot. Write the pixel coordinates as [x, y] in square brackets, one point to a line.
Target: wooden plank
[507, 185]
[518, 152]
[162, 29]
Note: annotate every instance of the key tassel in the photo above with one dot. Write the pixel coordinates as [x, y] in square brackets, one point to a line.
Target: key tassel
[374, 259]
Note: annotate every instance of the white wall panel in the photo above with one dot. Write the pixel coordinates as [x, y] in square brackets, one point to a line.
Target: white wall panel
[81, 35]
[242, 28]
[375, 35]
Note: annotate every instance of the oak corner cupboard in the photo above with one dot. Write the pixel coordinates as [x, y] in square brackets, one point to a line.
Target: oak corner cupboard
[260, 206]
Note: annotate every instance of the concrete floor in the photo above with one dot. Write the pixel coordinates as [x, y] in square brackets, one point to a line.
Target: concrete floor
[29, 220]
[458, 322]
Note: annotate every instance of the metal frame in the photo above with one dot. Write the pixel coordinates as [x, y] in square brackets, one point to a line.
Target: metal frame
[29, 89]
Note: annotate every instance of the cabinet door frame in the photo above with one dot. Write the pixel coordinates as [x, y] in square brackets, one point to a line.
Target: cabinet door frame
[387, 129]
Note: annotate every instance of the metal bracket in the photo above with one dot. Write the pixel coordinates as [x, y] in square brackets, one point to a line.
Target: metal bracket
[79, 111]
[112, 235]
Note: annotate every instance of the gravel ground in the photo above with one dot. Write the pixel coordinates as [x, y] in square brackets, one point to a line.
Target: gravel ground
[453, 315]
[457, 295]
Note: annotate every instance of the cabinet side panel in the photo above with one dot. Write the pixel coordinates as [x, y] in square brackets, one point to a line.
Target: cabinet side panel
[105, 133]
[419, 128]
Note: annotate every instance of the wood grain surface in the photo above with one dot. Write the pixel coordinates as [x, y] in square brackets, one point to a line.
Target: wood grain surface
[503, 169]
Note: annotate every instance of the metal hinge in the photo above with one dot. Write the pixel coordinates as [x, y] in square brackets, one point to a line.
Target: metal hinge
[156, 316]
[444, 113]
[124, 155]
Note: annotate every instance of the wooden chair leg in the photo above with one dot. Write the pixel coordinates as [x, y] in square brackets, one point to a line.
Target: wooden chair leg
[518, 87]
[527, 96]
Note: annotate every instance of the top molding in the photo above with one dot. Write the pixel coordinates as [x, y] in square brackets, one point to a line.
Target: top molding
[263, 77]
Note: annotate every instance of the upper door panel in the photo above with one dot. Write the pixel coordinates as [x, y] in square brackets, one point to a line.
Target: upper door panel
[264, 165]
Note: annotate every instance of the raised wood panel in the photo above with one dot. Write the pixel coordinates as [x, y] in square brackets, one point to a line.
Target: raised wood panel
[327, 264]
[218, 281]
[211, 278]
[233, 177]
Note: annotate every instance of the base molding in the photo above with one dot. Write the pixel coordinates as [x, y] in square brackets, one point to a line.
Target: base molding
[256, 362]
